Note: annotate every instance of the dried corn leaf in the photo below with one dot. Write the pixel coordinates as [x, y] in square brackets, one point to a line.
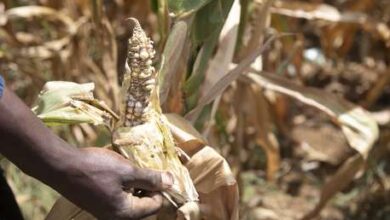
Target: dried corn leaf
[261, 20]
[187, 137]
[189, 211]
[219, 65]
[262, 120]
[37, 11]
[357, 125]
[45, 49]
[300, 9]
[215, 183]
[63, 209]
[71, 103]
[211, 174]
[172, 55]
[338, 181]
[227, 78]
[315, 11]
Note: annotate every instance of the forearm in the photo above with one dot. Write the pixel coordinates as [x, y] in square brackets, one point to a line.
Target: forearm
[28, 143]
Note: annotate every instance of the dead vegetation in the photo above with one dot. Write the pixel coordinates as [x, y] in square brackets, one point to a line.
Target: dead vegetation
[292, 94]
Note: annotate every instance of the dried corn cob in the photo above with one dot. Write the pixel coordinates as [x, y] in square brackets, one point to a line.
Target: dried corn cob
[142, 134]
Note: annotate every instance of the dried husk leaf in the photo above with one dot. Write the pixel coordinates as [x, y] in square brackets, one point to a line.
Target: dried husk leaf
[215, 183]
[187, 137]
[61, 103]
[63, 209]
[151, 145]
[211, 174]
[189, 211]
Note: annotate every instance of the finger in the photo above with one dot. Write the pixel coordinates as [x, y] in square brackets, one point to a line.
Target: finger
[140, 207]
[148, 179]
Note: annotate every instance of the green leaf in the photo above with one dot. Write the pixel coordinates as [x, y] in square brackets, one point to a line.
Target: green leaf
[207, 26]
[185, 7]
[208, 21]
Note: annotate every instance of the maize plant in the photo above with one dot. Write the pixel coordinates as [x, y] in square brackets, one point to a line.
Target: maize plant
[140, 132]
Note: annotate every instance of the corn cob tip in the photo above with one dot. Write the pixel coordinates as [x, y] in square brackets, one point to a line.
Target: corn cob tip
[141, 75]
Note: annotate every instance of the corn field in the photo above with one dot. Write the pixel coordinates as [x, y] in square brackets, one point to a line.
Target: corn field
[264, 109]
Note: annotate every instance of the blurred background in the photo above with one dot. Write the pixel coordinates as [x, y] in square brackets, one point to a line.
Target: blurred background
[294, 94]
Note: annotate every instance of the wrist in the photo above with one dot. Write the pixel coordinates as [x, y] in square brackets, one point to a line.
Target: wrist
[58, 165]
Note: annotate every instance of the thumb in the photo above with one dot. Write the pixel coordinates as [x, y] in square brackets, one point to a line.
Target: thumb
[148, 179]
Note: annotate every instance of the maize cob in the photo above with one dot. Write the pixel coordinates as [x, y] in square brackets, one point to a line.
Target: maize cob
[142, 134]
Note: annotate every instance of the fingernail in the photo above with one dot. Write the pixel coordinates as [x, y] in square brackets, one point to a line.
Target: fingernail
[167, 179]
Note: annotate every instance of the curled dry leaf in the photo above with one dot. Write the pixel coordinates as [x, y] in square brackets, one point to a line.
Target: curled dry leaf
[189, 211]
[210, 172]
[358, 126]
[186, 136]
[215, 183]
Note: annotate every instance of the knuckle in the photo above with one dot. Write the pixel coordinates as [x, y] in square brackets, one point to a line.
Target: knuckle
[155, 178]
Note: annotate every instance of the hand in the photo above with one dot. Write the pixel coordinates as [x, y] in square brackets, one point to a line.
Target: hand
[96, 180]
